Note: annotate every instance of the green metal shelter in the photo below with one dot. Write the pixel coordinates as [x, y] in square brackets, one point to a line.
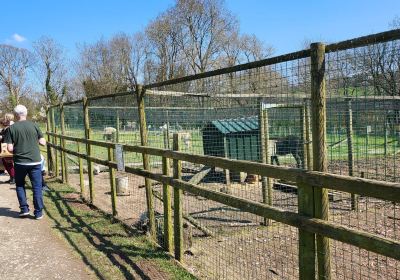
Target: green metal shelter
[233, 138]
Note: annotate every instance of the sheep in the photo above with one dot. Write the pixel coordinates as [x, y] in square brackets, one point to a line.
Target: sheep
[186, 139]
[109, 134]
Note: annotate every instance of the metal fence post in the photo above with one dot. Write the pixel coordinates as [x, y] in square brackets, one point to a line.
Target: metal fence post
[117, 127]
[146, 161]
[350, 159]
[266, 182]
[303, 129]
[178, 220]
[318, 116]
[307, 134]
[88, 148]
[385, 143]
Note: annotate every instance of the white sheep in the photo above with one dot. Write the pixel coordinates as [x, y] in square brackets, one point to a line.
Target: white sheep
[186, 139]
[109, 133]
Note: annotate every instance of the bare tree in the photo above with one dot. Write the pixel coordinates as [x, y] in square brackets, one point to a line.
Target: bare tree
[114, 65]
[253, 49]
[191, 37]
[74, 89]
[98, 69]
[165, 59]
[51, 68]
[381, 64]
[238, 49]
[129, 53]
[14, 63]
[195, 36]
[204, 27]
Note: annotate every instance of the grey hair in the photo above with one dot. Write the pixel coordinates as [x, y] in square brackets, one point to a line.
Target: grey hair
[20, 110]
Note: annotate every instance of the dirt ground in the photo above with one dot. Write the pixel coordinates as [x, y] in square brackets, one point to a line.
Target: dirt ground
[242, 248]
[28, 248]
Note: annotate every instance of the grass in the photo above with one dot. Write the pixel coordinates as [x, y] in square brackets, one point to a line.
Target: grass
[155, 139]
[362, 148]
[110, 249]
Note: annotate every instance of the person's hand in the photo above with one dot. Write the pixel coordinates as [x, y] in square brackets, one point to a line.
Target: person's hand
[42, 142]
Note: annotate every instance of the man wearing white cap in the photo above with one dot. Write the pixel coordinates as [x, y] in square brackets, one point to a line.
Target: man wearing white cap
[22, 140]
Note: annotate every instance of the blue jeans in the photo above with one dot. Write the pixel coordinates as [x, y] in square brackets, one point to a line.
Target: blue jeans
[35, 175]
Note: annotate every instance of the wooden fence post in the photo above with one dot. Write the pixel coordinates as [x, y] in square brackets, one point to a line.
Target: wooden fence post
[318, 116]
[305, 196]
[146, 160]
[50, 158]
[178, 211]
[88, 148]
[350, 159]
[112, 183]
[54, 130]
[64, 163]
[81, 180]
[167, 208]
[166, 139]
[62, 154]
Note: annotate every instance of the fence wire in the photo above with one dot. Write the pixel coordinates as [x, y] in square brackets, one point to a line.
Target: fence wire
[261, 114]
[363, 140]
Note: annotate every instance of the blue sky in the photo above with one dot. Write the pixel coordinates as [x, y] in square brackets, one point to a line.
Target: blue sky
[282, 24]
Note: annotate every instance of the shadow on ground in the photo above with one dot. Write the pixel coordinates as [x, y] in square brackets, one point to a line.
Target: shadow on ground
[7, 212]
[133, 258]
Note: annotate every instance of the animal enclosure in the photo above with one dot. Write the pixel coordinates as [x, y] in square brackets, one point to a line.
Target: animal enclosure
[200, 157]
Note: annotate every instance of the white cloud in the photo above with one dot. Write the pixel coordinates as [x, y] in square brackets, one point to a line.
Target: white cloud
[18, 38]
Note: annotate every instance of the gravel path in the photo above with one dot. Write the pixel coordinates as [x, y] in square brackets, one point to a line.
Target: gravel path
[29, 249]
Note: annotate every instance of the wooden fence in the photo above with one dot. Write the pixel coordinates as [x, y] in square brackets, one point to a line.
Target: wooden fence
[307, 182]
[312, 219]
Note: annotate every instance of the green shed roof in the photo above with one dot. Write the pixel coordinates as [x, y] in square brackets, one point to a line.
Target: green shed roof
[236, 125]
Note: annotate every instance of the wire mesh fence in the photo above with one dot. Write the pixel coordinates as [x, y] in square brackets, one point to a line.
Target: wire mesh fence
[262, 113]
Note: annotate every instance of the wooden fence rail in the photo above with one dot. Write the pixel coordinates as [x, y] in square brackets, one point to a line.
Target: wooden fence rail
[361, 186]
[313, 184]
[361, 239]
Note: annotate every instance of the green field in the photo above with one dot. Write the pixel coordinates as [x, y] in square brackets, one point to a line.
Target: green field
[337, 146]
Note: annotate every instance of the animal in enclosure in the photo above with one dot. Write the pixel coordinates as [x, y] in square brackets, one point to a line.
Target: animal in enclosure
[393, 123]
[109, 134]
[240, 139]
[186, 139]
[290, 144]
[164, 127]
[130, 125]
